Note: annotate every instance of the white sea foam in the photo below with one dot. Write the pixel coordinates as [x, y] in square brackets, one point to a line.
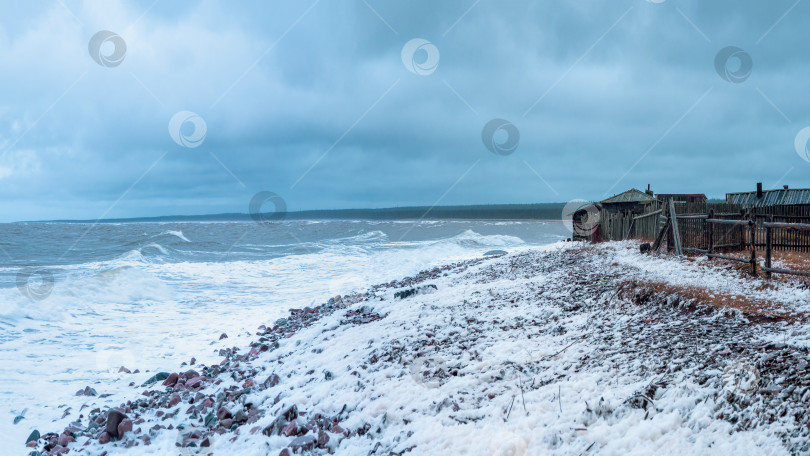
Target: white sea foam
[152, 308]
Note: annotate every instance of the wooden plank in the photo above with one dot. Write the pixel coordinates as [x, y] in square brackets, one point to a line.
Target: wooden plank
[710, 233]
[726, 257]
[787, 271]
[660, 238]
[647, 214]
[676, 234]
[730, 222]
[768, 248]
[630, 228]
[787, 226]
[695, 249]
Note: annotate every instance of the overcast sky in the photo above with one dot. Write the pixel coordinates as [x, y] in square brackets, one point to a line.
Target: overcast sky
[330, 104]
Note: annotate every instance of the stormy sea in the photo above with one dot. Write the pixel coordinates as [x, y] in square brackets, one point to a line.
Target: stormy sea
[81, 301]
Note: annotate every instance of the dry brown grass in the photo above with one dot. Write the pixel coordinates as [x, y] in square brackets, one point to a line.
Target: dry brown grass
[799, 261]
[757, 310]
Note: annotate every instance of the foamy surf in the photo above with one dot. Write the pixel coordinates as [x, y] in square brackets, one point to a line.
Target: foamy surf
[161, 290]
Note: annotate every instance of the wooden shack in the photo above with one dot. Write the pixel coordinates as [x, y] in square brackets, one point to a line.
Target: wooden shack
[618, 214]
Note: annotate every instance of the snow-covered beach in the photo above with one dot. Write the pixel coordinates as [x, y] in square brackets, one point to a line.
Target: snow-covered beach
[563, 349]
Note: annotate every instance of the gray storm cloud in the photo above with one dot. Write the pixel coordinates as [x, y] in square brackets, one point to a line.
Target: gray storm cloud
[313, 101]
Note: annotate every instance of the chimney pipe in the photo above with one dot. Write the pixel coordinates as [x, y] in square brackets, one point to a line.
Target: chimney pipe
[759, 189]
[785, 187]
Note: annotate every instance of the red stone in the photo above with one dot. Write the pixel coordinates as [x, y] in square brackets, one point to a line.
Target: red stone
[171, 379]
[289, 430]
[194, 382]
[124, 427]
[64, 439]
[104, 438]
[323, 439]
[114, 418]
[223, 413]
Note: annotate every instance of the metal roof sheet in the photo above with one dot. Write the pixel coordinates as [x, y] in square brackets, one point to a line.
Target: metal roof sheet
[630, 196]
[780, 197]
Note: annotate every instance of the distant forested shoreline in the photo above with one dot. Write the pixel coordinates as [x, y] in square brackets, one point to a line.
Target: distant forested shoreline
[538, 211]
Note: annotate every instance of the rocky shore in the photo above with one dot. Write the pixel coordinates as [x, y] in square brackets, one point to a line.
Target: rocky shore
[569, 349]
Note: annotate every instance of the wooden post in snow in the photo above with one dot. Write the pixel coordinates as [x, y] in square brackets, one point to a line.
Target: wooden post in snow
[676, 234]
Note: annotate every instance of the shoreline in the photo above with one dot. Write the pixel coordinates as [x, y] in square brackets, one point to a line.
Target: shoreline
[561, 349]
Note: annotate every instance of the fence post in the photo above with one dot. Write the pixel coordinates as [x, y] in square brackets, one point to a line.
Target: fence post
[754, 245]
[710, 233]
[754, 262]
[768, 246]
[676, 233]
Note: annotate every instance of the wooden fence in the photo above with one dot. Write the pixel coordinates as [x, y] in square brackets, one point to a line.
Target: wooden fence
[713, 229]
[711, 232]
[693, 229]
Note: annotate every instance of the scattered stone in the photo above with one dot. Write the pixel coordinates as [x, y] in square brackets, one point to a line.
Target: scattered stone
[223, 336]
[290, 429]
[271, 381]
[426, 289]
[156, 378]
[65, 439]
[323, 439]
[195, 382]
[33, 437]
[303, 443]
[114, 418]
[171, 380]
[123, 427]
[223, 413]
[87, 391]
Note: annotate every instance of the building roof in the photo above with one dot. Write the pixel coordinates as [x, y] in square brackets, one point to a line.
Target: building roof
[780, 197]
[630, 196]
[680, 195]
